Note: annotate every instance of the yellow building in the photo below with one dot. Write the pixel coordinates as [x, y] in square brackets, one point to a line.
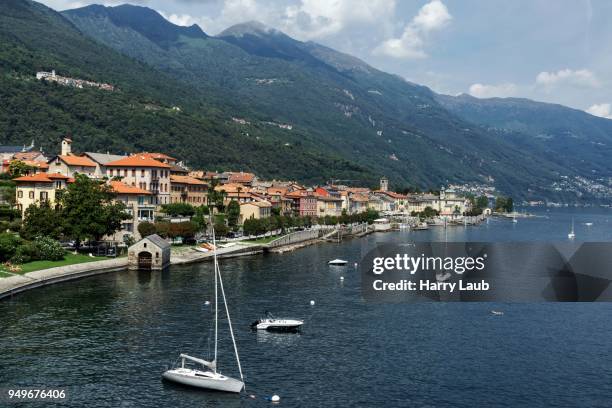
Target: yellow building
[139, 205]
[329, 206]
[254, 209]
[37, 188]
[186, 189]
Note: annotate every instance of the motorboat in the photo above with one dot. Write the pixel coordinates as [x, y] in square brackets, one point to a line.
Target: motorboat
[272, 323]
[497, 313]
[206, 375]
[338, 262]
[420, 227]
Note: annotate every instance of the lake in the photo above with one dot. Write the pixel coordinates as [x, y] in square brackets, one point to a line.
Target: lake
[107, 339]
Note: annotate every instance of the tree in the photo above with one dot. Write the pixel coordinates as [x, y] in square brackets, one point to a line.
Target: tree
[17, 168]
[41, 219]
[88, 211]
[482, 202]
[504, 204]
[146, 228]
[178, 209]
[8, 245]
[233, 213]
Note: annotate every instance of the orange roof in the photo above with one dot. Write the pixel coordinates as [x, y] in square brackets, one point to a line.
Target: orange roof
[26, 155]
[186, 180]
[277, 190]
[43, 178]
[232, 188]
[359, 198]
[241, 177]
[122, 188]
[137, 160]
[77, 161]
[157, 156]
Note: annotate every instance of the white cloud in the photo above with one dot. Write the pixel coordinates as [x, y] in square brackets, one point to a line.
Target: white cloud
[581, 77]
[431, 17]
[603, 110]
[179, 19]
[490, 91]
[319, 18]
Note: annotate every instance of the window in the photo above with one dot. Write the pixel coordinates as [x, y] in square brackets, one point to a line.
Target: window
[44, 195]
[133, 172]
[20, 194]
[142, 173]
[58, 184]
[31, 194]
[124, 172]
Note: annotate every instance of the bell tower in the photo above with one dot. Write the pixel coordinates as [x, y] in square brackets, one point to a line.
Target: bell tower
[66, 146]
[384, 184]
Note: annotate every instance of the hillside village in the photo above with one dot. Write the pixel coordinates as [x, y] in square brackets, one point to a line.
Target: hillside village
[146, 182]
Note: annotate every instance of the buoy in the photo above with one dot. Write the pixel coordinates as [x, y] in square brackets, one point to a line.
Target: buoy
[312, 302]
[342, 278]
[207, 303]
[356, 264]
[275, 398]
[252, 396]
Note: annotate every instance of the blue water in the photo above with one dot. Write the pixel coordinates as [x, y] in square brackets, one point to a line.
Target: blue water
[107, 339]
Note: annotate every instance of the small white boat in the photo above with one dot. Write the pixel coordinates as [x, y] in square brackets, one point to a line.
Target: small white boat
[572, 234]
[588, 224]
[271, 323]
[338, 262]
[497, 313]
[420, 227]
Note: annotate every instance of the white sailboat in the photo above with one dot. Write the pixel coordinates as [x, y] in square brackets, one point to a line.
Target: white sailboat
[207, 376]
[572, 234]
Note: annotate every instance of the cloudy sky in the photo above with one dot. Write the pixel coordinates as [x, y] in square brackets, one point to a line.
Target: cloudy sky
[548, 50]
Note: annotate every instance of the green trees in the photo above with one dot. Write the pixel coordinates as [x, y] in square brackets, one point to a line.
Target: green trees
[41, 219]
[88, 211]
[146, 228]
[428, 212]
[178, 209]
[17, 168]
[233, 213]
[504, 204]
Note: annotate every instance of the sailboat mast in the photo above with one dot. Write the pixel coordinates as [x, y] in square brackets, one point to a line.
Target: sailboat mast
[216, 299]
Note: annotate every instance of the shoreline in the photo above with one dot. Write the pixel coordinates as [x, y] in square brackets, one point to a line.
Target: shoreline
[16, 284]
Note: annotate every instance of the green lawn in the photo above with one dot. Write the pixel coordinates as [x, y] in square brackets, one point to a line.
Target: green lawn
[69, 259]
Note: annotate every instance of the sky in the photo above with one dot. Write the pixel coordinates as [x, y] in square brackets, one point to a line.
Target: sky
[557, 51]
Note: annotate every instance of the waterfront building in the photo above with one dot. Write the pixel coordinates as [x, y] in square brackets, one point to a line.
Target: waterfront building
[304, 203]
[186, 189]
[145, 173]
[139, 205]
[40, 187]
[328, 205]
[254, 209]
[152, 252]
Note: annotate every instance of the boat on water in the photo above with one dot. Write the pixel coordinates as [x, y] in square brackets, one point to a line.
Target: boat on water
[497, 313]
[572, 234]
[272, 323]
[337, 262]
[382, 224]
[421, 226]
[206, 375]
[588, 224]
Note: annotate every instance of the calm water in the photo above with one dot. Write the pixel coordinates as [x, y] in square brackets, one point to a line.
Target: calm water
[107, 339]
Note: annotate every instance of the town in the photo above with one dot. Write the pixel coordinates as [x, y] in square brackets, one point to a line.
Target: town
[145, 193]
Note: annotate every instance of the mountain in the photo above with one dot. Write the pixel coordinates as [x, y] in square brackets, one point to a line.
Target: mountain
[572, 138]
[148, 111]
[256, 99]
[336, 101]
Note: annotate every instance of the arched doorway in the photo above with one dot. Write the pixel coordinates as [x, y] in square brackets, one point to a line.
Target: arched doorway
[145, 260]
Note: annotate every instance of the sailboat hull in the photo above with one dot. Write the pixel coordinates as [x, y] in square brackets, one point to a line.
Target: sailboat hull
[204, 379]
